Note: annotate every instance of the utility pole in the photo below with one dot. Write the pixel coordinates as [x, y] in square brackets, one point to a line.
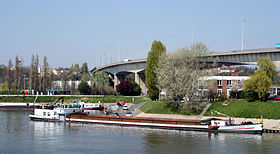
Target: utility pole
[96, 61]
[242, 34]
[103, 59]
[119, 53]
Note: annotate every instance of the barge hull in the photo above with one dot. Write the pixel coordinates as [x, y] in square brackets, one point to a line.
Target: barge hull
[138, 124]
[187, 125]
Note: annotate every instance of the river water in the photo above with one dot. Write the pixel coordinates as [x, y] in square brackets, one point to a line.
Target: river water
[20, 135]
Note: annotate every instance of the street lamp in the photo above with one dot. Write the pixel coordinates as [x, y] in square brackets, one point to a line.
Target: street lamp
[242, 34]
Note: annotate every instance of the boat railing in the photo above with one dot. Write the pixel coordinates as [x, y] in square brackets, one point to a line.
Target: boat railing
[66, 106]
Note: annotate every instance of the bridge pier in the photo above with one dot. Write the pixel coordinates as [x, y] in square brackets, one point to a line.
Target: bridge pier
[139, 78]
[142, 81]
[116, 81]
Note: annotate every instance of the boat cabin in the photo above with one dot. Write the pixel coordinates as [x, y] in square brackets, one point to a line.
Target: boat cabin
[58, 113]
[222, 122]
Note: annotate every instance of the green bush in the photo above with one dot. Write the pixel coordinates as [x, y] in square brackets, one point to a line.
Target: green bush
[222, 97]
[251, 95]
[237, 94]
[84, 88]
[136, 88]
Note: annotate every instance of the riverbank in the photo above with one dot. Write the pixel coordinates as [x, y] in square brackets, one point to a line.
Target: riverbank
[70, 98]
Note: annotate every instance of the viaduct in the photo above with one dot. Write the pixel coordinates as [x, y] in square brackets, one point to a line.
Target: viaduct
[120, 70]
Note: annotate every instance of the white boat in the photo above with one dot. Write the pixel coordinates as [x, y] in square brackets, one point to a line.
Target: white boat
[58, 113]
[89, 106]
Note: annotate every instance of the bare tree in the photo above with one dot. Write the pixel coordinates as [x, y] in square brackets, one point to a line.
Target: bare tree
[9, 75]
[20, 75]
[36, 73]
[64, 79]
[16, 73]
[45, 74]
[50, 83]
[31, 76]
[73, 88]
[178, 73]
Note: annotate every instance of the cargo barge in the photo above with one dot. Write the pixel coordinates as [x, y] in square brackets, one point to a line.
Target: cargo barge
[208, 125]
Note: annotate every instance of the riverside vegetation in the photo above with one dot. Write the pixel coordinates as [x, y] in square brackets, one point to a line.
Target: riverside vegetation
[68, 99]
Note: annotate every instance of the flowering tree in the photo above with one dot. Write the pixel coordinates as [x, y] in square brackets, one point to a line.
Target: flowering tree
[178, 73]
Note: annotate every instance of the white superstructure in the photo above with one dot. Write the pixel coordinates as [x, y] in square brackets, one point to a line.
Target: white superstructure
[58, 113]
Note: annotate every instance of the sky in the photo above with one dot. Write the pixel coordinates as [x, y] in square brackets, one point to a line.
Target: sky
[105, 31]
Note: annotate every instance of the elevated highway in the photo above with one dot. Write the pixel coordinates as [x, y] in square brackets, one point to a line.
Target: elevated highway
[118, 71]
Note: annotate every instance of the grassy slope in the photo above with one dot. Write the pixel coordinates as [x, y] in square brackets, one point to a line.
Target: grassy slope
[162, 108]
[244, 109]
[68, 99]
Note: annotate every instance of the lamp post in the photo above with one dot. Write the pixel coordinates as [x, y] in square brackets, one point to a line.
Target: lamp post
[242, 34]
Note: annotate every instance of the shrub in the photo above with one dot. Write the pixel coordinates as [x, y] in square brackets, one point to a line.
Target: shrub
[237, 94]
[84, 88]
[136, 88]
[125, 88]
[97, 91]
[109, 90]
[251, 95]
[222, 97]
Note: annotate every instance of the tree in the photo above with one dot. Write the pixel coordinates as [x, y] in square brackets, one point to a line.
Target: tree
[178, 73]
[100, 79]
[17, 73]
[125, 88]
[84, 68]
[157, 49]
[9, 75]
[84, 88]
[3, 71]
[21, 75]
[45, 74]
[64, 79]
[4, 87]
[136, 88]
[34, 75]
[261, 81]
[267, 66]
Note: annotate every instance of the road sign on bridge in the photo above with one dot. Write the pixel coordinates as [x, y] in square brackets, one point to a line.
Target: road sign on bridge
[277, 45]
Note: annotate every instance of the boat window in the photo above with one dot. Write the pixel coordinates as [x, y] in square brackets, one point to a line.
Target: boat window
[49, 114]
[44, 113]
[54, 113]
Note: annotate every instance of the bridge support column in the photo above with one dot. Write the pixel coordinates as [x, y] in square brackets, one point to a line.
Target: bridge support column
[136, 78]
[116, 81]
[139, 78]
